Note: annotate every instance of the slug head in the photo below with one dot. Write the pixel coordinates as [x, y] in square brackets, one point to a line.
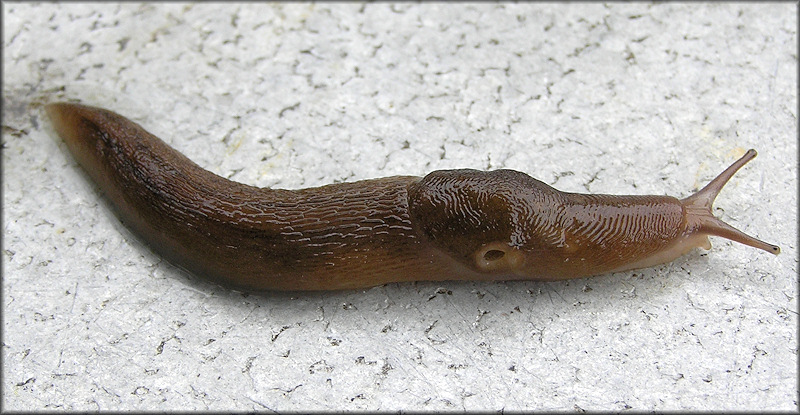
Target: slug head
[700, 221]
[505, 224]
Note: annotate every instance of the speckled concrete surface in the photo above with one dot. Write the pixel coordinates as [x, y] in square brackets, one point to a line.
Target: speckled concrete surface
[627, 99]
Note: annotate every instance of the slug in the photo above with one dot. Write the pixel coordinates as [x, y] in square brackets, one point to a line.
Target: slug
[449, 225]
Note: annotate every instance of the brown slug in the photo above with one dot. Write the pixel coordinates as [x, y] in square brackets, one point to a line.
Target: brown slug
[448, 225]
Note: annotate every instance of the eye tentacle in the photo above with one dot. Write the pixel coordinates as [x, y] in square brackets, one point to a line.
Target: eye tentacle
[699, 209]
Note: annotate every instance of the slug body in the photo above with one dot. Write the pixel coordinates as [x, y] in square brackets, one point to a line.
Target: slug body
[448, 225]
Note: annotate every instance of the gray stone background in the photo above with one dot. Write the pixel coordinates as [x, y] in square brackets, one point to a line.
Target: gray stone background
[602, 98]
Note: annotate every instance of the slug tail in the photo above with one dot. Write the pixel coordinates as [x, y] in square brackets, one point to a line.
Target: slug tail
[702, 221]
